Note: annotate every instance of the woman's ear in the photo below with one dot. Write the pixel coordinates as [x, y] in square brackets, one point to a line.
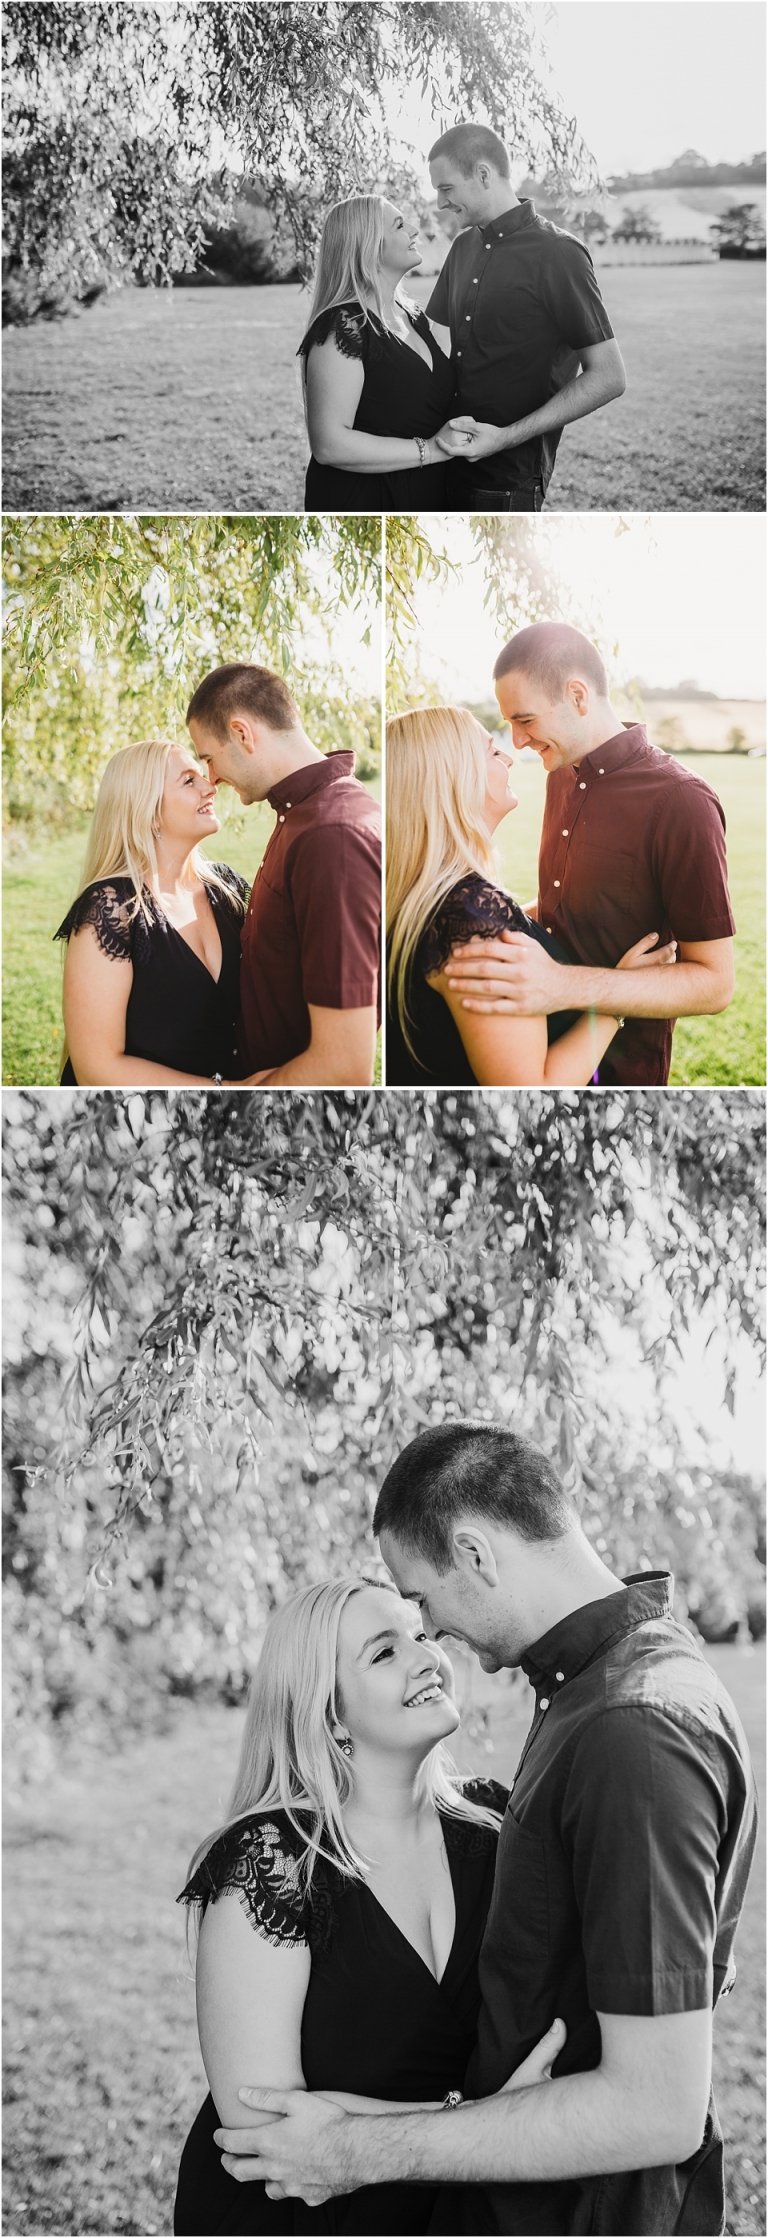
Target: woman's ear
[473, 1551]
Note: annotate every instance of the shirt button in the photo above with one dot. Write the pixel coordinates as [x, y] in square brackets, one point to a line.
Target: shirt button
[281, 819]
[560, 1675]
[544, 1703]
[557, 881]
[548, 928]
[475, 283]
[565, 833]
[583, 786]
[288, 804]
[467, 321]
[601, 773]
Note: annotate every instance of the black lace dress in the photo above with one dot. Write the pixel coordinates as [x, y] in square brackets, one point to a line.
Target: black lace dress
[402, 396]
[375, 2020]
[178, 1015]
[472, 907]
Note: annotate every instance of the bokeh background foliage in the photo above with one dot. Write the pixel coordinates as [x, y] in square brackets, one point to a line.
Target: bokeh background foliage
[112, 621]
[225, 1314]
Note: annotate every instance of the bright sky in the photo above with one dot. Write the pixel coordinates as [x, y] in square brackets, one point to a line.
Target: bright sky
[648, 78]
[682, 595]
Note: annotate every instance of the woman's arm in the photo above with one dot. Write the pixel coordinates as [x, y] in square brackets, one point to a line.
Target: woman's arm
[250, 2001]
[96, 992]
[519, 1057]
[334, 389]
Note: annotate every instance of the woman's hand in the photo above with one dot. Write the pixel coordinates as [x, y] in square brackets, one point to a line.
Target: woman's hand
[537, 2068]
[640, 953]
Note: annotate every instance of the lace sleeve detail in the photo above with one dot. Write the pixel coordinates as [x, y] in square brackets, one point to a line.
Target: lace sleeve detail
[467, 1835]
[345, 324]
[111, 909]
[259, 1860]
[473, 907]
[236, 886]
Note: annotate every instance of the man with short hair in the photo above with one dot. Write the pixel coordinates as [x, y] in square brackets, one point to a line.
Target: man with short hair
[310, 967]
[621, 1871]
[632, 843]
[525, 313]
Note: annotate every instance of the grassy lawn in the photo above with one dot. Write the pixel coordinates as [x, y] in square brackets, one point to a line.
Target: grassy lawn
[728, 1050]
[39, 881]
[189, 401]
[103, 2072]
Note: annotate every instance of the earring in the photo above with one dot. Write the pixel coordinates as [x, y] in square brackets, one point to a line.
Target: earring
[343, 1742]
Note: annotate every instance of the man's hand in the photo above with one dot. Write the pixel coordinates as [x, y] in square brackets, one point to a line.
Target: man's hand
[513, 976]
[299, 2155]
[470, 439]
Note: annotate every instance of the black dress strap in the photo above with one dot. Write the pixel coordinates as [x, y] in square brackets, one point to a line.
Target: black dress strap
[258, 1858]
[343, 323]
[110, 906]
[474, 907]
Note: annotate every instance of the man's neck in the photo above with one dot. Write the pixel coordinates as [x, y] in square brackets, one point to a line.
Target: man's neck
[607, 724]
[500, 200]
[294, 752]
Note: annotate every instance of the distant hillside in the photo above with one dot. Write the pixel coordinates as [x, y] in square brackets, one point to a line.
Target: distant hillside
[690, 170]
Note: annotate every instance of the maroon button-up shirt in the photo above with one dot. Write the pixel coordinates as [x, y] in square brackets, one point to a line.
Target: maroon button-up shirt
[312, 933]
[632, 843]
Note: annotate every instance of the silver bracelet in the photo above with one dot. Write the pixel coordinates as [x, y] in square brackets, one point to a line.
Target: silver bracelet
[452, 2098]
[421, 446]
[217, 1080]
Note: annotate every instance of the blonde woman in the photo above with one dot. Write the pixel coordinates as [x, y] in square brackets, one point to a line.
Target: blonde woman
[379, 386]
[448, 789]
[342, 1903]
[152, 971]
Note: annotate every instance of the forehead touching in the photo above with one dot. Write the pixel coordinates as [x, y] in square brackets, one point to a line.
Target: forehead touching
[372, 1617]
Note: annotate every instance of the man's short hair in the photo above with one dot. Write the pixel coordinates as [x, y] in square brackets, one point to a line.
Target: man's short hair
[469, 1468]
[551, 652]
[472, 144]
[240, 688]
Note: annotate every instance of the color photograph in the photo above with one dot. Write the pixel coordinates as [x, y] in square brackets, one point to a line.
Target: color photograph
[623, 665]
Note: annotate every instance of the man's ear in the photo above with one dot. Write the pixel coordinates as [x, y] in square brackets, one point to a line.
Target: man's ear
[473, 1552]
[241, 731]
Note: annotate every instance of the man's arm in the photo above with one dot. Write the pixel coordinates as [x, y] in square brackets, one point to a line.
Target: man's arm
[645, 2106]
[340, 1053]
[516, 975]
[602, 378]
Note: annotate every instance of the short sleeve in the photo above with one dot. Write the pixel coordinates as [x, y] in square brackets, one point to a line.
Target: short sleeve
[690, 863]
[259, 1861]
[237, 886]
[335, 878]
[345, 324]
[572, 293]
[474, 909]
[111, 909]
[644, 1816]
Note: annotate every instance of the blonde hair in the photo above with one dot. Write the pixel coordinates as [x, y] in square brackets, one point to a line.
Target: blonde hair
[126, 820]
[349, 258]
[290, 1758]
[436, 786]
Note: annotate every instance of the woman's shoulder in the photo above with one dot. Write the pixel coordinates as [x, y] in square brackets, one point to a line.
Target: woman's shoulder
[236, 885]
[258, 1857]
[346, 324]
[109, 905]
[474, 1837]
[474, 906]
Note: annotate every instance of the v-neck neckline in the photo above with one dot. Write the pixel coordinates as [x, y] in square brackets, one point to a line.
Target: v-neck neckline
[437, 1979]
[188, 944]
[428, 362]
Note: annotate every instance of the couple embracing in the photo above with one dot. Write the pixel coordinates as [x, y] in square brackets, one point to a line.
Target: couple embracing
[572, 987]
[177, 972]
[432, 2003]
[461, 407]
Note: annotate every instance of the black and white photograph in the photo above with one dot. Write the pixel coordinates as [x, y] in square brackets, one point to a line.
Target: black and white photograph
[339, 257]
[386, 1608]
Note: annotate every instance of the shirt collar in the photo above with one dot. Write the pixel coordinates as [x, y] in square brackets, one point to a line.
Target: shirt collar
[511, 221]
[591, 1630]
[312, 779]
[614, 752]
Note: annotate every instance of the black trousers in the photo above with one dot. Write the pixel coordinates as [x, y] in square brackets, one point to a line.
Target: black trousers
[469, 492]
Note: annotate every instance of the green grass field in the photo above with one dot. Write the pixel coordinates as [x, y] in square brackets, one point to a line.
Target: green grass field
[103, 2072]
[188, 400]
[39, 881]
[718, 1052]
